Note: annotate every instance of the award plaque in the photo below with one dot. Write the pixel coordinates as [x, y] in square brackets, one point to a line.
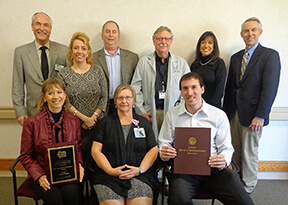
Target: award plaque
[63, 163]
[193, 150]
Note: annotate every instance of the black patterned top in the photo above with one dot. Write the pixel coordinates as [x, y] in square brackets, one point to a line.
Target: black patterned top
[86, 91]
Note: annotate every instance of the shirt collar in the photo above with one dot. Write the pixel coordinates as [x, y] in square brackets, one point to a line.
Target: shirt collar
[38, 46]
[160, 59]
[117, 53]
[204, 109]
[251, 50]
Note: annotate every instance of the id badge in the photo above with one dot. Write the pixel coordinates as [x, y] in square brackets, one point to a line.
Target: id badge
[58, 67]
[139, 133]
[162, 95]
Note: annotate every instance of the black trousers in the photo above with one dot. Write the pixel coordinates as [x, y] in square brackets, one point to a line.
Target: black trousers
[224, 185]
[66, 194]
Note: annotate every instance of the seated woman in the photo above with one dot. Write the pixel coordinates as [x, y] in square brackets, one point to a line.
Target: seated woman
[210, 67]
[52, 125]
[124, 149]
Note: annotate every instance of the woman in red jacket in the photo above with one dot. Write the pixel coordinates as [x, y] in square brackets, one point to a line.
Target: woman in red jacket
[51, 126]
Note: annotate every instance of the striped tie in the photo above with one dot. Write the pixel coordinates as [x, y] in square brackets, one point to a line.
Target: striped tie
[244, 64]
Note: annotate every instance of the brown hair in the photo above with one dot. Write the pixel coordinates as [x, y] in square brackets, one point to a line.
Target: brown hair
[190, 75]
[46, 87]
[82, 37]
[214, 54]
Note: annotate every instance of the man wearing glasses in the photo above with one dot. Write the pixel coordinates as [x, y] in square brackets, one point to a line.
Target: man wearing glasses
[156, 79]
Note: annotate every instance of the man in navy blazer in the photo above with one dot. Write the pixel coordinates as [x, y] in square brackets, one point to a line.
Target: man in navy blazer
[27, 74]
[250, 92]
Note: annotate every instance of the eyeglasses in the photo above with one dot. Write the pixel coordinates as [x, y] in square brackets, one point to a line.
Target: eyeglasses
[128, 98]
[161, 39]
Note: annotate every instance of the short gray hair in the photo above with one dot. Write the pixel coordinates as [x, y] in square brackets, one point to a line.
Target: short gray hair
[252, 19]
[163, 28]
[33, 17]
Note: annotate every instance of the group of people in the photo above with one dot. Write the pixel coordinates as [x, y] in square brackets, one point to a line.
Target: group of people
[123, 111]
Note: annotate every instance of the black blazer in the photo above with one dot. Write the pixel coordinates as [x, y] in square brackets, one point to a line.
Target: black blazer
[255, 94]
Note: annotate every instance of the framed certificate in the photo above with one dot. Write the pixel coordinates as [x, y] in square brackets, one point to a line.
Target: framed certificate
[62, 163]
[193, 150]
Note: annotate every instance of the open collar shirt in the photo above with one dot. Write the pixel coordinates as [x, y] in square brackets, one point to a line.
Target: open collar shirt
[208, 116]
[114, 69]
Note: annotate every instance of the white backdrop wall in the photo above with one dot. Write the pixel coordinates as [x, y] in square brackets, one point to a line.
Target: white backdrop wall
[188, 19]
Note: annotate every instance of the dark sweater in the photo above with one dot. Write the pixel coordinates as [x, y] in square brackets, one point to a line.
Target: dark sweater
[214, 77]
[109, 132]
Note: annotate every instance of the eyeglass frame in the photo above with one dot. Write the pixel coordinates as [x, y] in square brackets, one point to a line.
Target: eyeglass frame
[161, 38]
[127, 98]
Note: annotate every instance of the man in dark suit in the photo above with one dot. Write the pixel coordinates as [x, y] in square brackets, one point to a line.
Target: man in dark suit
[118, 64]
[34, 63]
[250, 92]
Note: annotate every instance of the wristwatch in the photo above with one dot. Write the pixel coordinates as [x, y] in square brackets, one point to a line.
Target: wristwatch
[141, 170]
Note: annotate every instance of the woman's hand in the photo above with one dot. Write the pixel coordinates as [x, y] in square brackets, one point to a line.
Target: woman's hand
[117, 171]
[44, 183]
[95, 118]
[81, 174]
[130, 172]
[89, 122]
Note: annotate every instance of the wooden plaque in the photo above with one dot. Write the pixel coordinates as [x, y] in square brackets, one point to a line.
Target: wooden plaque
[62, 163]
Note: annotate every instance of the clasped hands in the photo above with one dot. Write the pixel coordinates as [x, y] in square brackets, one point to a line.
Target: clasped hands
[217, 161]
[125, 172]
[90, 122]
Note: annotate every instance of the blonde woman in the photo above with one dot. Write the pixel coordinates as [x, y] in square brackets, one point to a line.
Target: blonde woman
[86, 88]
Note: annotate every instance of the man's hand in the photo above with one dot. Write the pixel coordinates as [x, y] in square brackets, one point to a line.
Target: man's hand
[167, 153]
[21, 119]
[256, 124]
[217, 161]
[147, 115]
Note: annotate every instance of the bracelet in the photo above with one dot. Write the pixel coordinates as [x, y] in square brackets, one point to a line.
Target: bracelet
[75, 112]
[95, 113]
[141, 170]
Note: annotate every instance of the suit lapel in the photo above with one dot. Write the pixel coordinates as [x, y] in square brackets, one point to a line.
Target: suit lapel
[151, 61]
[123, 64]
[238, 67]
[53, 57]
[252, 62]
[102, 61]
[33, 56]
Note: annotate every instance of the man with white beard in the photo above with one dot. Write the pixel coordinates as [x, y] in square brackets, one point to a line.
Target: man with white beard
[156, 79]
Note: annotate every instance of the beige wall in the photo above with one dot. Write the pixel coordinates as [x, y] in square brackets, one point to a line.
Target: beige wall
[188, 19]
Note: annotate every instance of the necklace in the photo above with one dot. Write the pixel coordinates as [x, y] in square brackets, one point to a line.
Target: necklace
[206, 62]
[80, 70]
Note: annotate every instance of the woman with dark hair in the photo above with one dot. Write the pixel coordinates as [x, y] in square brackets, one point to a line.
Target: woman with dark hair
[51, 126]
[210, 67]
[124, 150]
